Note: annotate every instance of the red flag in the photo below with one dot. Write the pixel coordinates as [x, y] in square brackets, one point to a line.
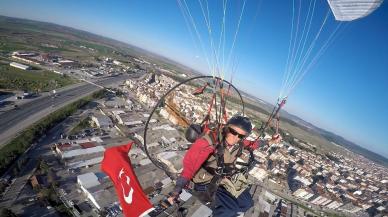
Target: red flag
[117, 165]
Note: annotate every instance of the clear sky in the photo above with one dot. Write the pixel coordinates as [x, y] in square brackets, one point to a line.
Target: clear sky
[346, 91]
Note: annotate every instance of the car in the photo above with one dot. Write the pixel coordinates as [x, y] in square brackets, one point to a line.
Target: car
[71, 137]
[78, 208]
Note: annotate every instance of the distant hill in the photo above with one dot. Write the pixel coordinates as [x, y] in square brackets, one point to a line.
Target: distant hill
[354, 147]
[19, 28]
[332, 137]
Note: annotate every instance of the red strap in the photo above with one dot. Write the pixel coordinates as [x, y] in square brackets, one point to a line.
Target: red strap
[223, 105]
[277, 123]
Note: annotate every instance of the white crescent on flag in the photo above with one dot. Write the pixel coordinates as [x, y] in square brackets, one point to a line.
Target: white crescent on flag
[127, 196]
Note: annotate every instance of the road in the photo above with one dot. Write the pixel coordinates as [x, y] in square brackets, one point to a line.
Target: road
[14, 121]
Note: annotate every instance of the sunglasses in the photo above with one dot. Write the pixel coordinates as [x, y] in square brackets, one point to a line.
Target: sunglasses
[234, 132]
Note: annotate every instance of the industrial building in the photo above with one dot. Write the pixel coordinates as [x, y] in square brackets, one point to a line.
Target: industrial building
[98, 189]
[85, 163]
[117, 102]
[102, 121]
[78, 152]
[20, 66]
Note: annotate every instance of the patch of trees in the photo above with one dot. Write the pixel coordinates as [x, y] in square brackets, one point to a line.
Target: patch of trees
[5, 212]
[333, 158]
[47, 191]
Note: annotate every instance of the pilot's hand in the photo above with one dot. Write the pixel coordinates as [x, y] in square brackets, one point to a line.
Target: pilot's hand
[276, 138]
[173, 197]
[171, 200]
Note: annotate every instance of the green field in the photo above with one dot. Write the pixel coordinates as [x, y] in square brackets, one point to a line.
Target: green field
[31, 80]
[9, 47]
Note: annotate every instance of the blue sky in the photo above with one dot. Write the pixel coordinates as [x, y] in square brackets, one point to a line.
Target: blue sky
[346, 91]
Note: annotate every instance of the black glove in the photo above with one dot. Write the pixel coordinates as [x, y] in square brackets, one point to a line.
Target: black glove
[181, 182]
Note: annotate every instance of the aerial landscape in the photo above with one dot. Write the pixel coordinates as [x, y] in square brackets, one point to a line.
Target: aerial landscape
[194, 108]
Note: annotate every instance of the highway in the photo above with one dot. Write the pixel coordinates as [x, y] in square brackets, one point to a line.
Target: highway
[14, 121]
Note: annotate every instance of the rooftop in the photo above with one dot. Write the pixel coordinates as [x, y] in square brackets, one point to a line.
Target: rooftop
[88, 180]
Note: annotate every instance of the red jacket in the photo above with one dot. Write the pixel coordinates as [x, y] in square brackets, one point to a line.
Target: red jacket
[199, 153]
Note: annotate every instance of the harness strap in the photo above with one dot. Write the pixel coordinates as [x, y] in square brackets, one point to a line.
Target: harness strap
[222, 168]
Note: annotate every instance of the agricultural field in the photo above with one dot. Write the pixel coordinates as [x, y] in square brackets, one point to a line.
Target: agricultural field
[36, 80]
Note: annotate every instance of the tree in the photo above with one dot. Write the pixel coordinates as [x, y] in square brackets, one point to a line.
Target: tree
[5, 212]
[50, 177]
[3, 186]
[103, 212]
[43, 166]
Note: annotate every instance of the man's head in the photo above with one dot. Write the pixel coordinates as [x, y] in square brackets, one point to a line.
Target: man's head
[237, 128]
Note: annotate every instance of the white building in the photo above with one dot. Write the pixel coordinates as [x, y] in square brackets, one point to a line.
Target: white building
[102, 121]
[166, 181]
[145, 161]
[164, 127]
[305, 181]
[163, 112]
[185, 196]
[85, 163]
[202, 211]
[65, 62]
[58, 72]
[259, 173]
[87, 180]
[116, 102]
[133, 123]
[83, 151]
[166, 155]
[334, 205]
[308, 196]
[25, 59]
[98, 191]
[319, 200]
[20, 66]
[300, 193]
[270, 196]
[153, 121]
